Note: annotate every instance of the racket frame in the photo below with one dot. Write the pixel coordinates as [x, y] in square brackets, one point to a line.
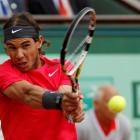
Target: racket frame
[88, 41]
[74, 78]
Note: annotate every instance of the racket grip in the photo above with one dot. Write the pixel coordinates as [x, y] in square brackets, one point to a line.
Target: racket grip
[76, 92]
[70, 118]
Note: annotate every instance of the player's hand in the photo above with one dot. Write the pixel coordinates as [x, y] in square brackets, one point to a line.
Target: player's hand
[71, 104]
[78, 114]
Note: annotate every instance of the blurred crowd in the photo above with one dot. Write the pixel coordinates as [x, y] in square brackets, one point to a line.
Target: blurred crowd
[51, 7]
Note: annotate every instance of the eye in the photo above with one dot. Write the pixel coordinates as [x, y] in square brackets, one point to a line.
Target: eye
[11, 48]
[26, 46]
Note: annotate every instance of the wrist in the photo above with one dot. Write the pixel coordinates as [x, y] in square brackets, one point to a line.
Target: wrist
[52, 100]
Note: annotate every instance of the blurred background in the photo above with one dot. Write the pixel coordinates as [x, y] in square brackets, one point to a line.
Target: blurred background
[115, 52]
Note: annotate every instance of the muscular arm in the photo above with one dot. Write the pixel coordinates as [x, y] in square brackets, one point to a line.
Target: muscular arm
[32, 95]
[25, 92]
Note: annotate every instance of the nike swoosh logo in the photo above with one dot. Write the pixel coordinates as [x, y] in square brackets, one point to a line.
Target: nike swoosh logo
[51, 74]
[14, 31]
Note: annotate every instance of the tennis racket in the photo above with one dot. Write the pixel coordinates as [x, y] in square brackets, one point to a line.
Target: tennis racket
[76, 45]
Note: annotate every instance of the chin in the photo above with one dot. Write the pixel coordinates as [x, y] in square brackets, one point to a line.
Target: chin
[25, 69]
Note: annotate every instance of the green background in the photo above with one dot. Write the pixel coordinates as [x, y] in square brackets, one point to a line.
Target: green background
[114, 58]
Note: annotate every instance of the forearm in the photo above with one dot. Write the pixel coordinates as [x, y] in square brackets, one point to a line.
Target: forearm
[25, 92]
[38, 97]
[30, 94]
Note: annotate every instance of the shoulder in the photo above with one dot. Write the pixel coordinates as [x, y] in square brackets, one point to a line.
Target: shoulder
[7, 65]
[123, 119]
[50, 62]
[8, 75]
[7, 62]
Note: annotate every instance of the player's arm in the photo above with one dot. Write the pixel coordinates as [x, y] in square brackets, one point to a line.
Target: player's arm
[38, 97]
[25, 92]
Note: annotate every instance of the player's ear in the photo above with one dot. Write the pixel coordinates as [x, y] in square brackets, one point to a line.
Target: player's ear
[40, 41]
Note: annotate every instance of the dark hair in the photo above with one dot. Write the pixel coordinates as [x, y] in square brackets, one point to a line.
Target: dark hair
[24, 19]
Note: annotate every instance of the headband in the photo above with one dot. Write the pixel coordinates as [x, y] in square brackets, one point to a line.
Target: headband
[20, 32]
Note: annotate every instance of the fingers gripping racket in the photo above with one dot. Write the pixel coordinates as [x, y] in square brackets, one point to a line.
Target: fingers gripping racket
[76, 45]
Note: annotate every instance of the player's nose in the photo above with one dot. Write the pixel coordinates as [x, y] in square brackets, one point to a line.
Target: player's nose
[19, 54]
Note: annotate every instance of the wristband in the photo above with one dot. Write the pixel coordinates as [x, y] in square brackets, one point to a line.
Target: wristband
[52, 100]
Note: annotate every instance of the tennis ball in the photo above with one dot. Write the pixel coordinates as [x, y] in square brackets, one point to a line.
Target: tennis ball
[117, 104]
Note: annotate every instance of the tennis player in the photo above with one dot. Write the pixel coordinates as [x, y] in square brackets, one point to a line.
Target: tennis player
[28, 110]
[100, 123]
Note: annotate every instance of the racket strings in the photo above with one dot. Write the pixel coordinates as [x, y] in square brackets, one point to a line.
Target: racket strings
[76, 58]
[76, 44]
[76, 51]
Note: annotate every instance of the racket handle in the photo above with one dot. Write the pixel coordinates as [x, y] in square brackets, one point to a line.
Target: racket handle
[70, 118]
[76, 92]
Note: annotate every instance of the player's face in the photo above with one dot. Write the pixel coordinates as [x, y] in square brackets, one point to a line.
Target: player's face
[24, 53]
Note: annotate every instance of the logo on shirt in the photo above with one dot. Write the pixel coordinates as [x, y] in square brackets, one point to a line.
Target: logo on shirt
[51, 74]
[14, 31]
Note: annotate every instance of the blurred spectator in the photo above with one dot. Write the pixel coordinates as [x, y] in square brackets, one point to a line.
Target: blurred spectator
[101, 123]
[9, 7]
[5, 9]
[17, 5]
[52, 7]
